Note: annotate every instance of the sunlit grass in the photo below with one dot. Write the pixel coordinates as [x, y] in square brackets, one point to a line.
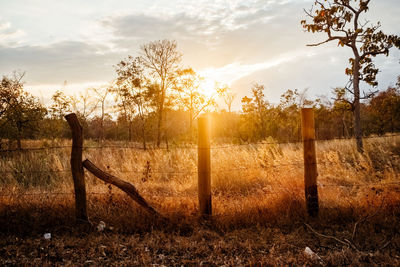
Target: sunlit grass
[261, 171]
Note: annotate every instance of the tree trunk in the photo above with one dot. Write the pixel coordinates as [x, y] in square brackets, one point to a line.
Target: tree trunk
[19, 146]
[345, 129]
[117, 131]
[357, 112]
[160, 116]
[102, 123]
[159, 124]
[190, 125]
[391, 124]
[262, 125]
[343, 135]
[130, 131]
[144, 134]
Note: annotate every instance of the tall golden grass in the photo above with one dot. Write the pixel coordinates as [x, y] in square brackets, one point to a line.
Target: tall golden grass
[236, 169]
[244, 177]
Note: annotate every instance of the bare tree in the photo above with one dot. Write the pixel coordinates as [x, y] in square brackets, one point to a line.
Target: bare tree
[340, 20]
[102, 93]
[161, 58]
[227, 95]
[84, 104]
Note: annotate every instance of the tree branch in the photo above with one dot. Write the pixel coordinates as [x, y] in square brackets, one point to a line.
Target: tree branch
[374, 53]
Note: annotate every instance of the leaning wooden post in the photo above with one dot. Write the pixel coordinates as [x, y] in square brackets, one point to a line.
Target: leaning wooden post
[204, 166]
[77, 168]
[128, 188]
[310, 161]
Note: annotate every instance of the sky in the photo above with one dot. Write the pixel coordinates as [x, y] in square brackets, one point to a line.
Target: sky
[235, 42]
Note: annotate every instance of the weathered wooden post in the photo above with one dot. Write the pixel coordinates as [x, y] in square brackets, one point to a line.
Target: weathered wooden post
[204, 166]
[77, 168]
[310, 161]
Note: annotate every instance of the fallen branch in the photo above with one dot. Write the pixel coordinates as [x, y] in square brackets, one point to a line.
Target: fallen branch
[366, 218]
[128, 188]
[385, 245]
[346, 242]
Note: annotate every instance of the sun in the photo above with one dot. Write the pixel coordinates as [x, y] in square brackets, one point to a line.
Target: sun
[208, 86]
[212, 79]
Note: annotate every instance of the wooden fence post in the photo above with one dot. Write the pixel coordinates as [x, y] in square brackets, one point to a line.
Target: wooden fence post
[204, 167]
[310, 161]
[77, 168]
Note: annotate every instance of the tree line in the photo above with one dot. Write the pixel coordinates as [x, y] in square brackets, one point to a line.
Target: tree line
[147, 104]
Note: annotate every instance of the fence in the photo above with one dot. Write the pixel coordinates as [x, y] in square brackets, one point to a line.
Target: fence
[204, 171]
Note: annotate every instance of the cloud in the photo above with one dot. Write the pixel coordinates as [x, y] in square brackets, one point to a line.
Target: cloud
[4, 26]
[315, 71]
[235, 71]
[216, 33]
[46, 91]
[8, 35]
[54, 63]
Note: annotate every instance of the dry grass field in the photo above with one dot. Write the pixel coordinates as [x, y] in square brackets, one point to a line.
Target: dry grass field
[258, 217]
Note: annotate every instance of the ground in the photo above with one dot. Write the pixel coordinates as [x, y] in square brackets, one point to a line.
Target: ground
[259, 236]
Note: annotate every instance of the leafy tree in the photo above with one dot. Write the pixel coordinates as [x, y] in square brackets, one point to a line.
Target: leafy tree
[83, 105]
[133, 91]
[20, 112]
[342, 108]
[384, 111]
[261, 106]
[289, 120]
[248, 119]
[56, 126]
[61, 105]
[256, 107]
[125, 106]
[340, 21]
[161, 58]
[187, 85]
